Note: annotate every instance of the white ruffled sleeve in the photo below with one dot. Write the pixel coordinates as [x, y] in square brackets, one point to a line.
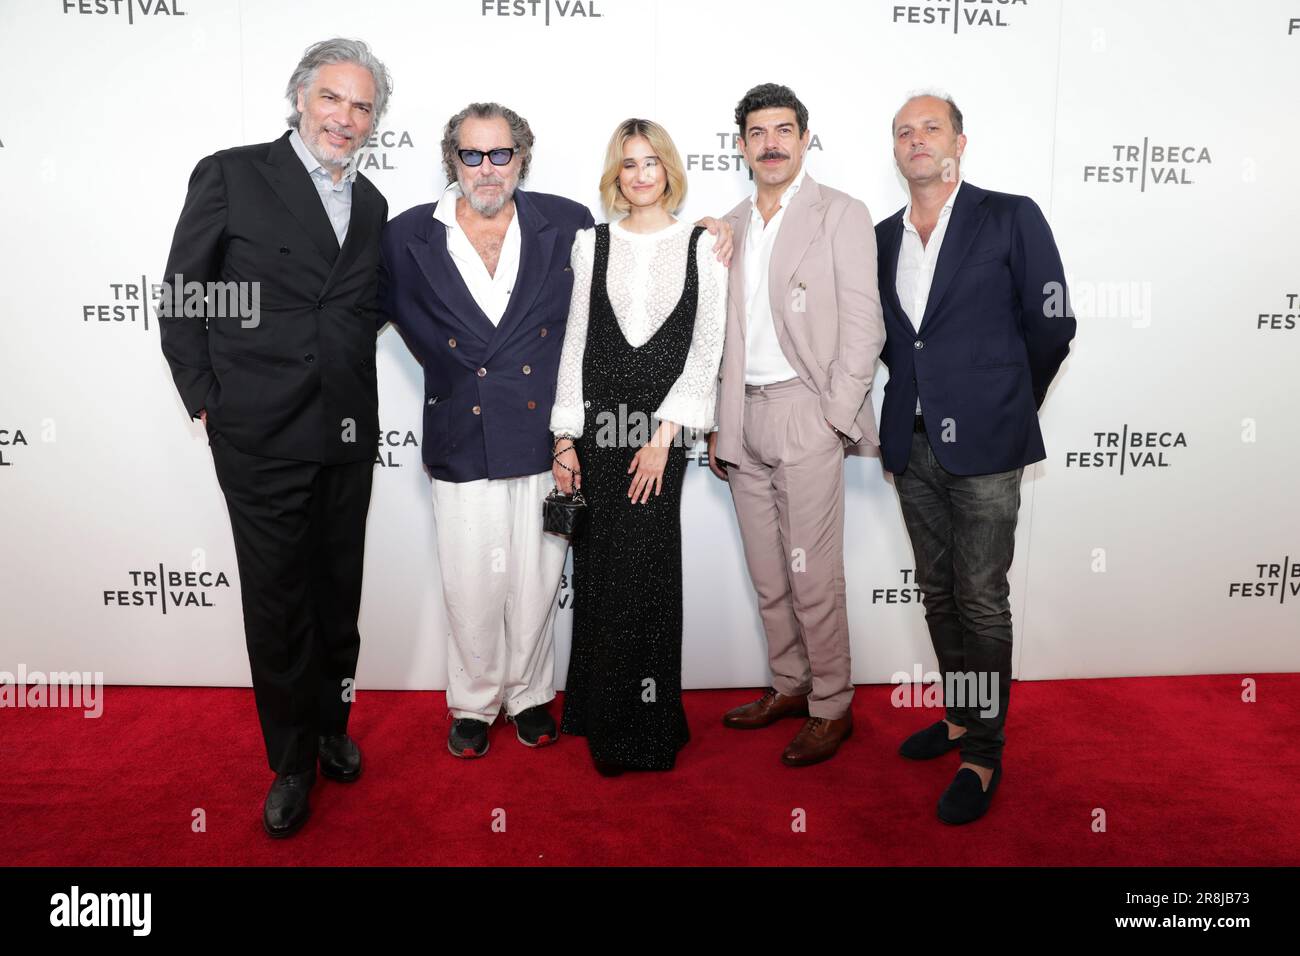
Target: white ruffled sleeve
[567, 414]
[692, 400]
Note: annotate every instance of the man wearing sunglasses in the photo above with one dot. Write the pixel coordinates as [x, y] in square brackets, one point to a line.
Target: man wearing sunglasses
[478, 284]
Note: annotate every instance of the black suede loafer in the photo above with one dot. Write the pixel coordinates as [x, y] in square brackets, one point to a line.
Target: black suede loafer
[929, 743]
[966, 799]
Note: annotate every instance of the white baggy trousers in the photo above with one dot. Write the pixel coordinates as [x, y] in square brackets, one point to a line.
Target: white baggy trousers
[500, 582]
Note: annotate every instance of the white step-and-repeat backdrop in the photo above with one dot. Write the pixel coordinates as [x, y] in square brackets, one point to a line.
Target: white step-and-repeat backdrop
[1160, 536]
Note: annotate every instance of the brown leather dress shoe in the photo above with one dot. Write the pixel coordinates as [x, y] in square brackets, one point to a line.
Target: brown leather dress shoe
[768, 709]
[818, 740]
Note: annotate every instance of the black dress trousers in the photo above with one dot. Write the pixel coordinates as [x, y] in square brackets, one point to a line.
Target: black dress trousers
[299, 530]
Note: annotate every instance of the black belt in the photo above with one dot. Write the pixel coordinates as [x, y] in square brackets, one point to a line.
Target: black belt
[919, 425]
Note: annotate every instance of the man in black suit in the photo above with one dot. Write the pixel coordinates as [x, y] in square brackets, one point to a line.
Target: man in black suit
[286, 390]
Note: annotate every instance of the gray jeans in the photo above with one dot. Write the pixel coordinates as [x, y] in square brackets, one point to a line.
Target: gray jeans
[963, 535]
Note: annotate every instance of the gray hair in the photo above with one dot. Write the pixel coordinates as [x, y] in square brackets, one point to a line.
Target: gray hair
[337, 50]
[954, 114]
[520, 132]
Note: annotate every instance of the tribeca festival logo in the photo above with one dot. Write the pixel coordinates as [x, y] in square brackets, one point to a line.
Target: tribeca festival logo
[14, 441]
[1129, 449]
[130, 302]
[560, 9]
[729, 158]
[1149, 165]
[81, 690]
[75, 908]
[126, 304]
[957, 14]
[908, 593]
[131, 8]
[393, 441]
[380, 150]
[1273, 581]
[1284, 320]
[170, 589]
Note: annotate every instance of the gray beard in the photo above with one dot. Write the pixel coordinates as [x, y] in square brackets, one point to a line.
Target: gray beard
[484, 207]
[330, 162]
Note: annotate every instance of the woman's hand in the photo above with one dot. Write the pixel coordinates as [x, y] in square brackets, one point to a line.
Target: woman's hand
[565, 458]
[648, 464]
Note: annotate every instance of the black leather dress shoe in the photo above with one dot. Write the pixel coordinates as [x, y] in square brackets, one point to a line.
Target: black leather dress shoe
[340, 758]
[966, 799]
[286, 808]
[929, 743]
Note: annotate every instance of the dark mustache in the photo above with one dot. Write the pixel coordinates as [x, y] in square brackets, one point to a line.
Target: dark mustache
[773, 154]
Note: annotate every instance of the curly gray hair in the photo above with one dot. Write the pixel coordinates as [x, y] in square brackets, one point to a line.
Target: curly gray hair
[520, 132]
[337, 50]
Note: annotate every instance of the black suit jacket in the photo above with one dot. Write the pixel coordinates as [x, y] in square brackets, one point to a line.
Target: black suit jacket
[298, 380]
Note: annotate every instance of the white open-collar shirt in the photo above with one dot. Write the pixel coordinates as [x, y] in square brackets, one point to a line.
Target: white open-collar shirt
[765, 363]
[916, 262]
[490, 290]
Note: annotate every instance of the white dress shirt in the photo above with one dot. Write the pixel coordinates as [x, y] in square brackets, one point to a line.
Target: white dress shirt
[490, 290]
[765, 363]
[916, 262]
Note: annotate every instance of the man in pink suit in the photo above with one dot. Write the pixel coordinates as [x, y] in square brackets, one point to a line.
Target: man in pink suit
[804, 330]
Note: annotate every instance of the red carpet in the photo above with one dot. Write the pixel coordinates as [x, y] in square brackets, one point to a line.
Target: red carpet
[1186, 772]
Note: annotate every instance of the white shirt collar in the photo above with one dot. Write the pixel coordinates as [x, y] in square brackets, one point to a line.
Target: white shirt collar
[445, 211]
[313, 164]
[785, 196]
[947, 207]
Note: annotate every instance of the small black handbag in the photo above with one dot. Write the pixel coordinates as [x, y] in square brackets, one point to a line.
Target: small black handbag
[562, 514]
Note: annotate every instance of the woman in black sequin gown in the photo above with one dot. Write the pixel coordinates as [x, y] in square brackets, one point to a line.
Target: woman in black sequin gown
[623, 690]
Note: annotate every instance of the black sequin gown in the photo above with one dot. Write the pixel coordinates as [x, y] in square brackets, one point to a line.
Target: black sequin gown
[624, 687]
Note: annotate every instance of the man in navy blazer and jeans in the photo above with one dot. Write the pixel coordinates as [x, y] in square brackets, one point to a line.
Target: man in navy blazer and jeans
[977, 323]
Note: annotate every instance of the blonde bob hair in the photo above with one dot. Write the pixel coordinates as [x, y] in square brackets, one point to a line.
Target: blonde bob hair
[674, 195]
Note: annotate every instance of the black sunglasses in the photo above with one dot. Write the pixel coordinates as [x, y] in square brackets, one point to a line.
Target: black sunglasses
[500, 156]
